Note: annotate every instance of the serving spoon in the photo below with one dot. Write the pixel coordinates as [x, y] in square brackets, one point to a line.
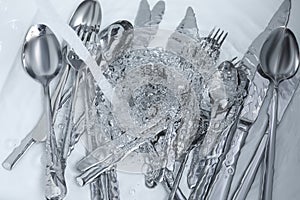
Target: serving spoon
[42, 60]
[279, 58]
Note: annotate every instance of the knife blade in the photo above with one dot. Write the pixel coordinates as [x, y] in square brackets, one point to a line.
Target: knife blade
[251, 107]
[39, 132]
[249, 175]
[287, 90]
[146, 23]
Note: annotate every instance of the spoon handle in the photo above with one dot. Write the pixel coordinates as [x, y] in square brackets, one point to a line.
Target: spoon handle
[70, 123]
[270, 151]
[39, 129]
[55, 183]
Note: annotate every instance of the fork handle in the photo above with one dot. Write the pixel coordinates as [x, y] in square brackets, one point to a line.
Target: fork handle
[222, 182]
[18, 152]
[251, 171]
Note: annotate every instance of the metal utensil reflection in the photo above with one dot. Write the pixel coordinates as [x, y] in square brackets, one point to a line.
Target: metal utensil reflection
[114, 39]
[85, 20]
[252, 105]
[42, 60]
[279, 59]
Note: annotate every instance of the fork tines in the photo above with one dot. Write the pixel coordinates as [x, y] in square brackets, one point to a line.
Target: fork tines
[86, 33]
[217, 38]
[213, 42]
[234, 61]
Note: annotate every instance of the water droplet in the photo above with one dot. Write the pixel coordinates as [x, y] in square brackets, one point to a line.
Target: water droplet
[217, 125]
[230, 171]
[14, 24]
[11, 143]
[146, 168]
[228, 162]
[132, 191]
[108, 54]
[61, 126]
[3, 6]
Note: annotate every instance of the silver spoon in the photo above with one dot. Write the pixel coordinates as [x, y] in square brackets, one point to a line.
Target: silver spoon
[115, 39]
[279, 58]
[42, 60]
[88, 14]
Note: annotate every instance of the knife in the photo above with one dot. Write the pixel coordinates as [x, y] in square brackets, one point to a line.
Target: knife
[251, 107]
[249, 175]
[287, 91]
[146, 23]
[39, 132]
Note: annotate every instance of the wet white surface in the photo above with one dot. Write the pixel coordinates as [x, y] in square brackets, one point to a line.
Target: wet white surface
[20, 96]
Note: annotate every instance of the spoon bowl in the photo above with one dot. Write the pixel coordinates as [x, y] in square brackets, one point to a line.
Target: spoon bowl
[280, 55]
[115, 39]
[88, 13]
[41, 57]
[42, 60]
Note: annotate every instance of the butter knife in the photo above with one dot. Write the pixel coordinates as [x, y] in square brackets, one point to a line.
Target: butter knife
[249, 113]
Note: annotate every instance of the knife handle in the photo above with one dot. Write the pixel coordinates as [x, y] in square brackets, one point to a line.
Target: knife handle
[18, 152]
[250, 173]
[223, 179]
[98, 188]
[26, 143]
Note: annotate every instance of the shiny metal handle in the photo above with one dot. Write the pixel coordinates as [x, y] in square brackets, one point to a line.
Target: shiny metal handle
[202, 186]
[169, 182]
[57, 95]
[55, 183]
[91, 174]
[98, 168]
[108, 150]
[28, 141]
[175, 185]
[113, 184]
[250, 173]
[221, 185]
[98, 188]
[70, 123]
[106, 186]
[270, 151]
[18, 152]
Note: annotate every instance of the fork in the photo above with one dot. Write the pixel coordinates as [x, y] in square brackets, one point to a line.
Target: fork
[213, 42]
[88, 35]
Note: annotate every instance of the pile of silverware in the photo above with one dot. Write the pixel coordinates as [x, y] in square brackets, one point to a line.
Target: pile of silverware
[167, 105]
